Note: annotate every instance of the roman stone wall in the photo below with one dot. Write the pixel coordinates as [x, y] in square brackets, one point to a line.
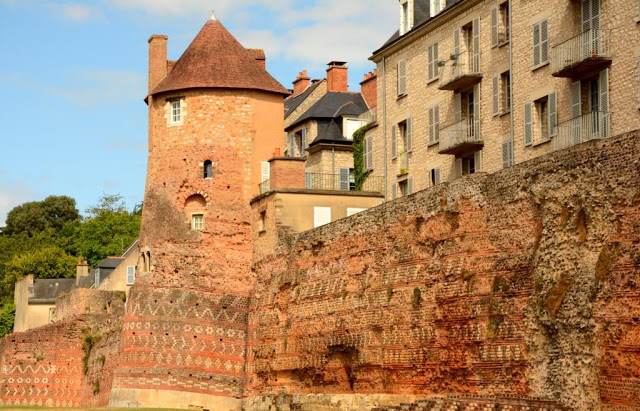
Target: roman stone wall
[521, 283]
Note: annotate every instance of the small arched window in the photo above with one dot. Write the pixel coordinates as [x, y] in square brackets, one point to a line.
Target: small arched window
[208, 169]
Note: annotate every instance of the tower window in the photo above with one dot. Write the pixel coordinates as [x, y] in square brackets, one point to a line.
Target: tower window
[208, 169]
[197, 222]
[176, 111]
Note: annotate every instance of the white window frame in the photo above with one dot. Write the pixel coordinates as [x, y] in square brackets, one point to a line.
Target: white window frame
[175, 112]
[406, 16]
[131, 274]
[436, 7]
[195, 224]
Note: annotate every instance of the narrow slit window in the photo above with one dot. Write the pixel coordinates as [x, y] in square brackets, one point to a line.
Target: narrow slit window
[208, 169]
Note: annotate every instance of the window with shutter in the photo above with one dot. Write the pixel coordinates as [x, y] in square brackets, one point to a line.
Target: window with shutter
[394, 191]
[321, 216]
[344, 179]
[436, 120]
[434, 176]
[303, 141]
[402, 77]
[477, 158]
[575, 91]
[476, 46]
[604, 103]
[394, 141]
[496, 96]
[370, 153]
[409, 126]
[131, 274]
[265, 168]
[553, 114]
[457, 107]
[456, 41]
[494, 27]
[292, 145]
[410, 185]
[365, 146]
[506, 92]
[507, 154]
[458, 166]
[528, 124]
[540, 43]
[536, 45]
[430, 74]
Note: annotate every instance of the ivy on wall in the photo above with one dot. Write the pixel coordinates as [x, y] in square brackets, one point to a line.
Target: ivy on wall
[359, 173]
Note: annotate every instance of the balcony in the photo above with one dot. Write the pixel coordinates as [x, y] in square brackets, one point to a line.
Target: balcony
[318, 181]
[264, 187]
[462, 72]
[591, 126]
[461, 137]
[580, 56]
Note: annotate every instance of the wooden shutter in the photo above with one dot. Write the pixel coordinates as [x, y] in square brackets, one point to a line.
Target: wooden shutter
[394, 191]
[528, 124]
[553, 114]
[321, 216]
[477, 157]
[410, 185]
[544, 41]
[476, 45]
[292, 145]
[370, 153]
[476, 105]
[436, 175]
[394, 141]
[409, 126]
[458, 167]
[536, 44]
[456, 41]
[494, 27]
[365, 154]
[265, 171]
[402, 77]
[432, 134]
[131, 274]
[343, 179]
[303, 144]
[604, 102]
[308, 180]
[457, 107]
[435, 60]
[507, 154]
[430, 73]
[436, 121]
[496, 95]
[576, 99]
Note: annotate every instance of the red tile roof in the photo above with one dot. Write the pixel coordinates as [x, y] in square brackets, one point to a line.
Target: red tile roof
[215, 59]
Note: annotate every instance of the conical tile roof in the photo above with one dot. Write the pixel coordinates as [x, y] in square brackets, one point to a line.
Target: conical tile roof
[215, 59]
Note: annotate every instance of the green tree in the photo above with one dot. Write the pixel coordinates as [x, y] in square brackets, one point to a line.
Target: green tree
[36, 217]
[46, 262]
[7, 317]
[108, 230]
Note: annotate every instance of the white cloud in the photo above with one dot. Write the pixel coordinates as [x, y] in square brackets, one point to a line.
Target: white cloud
[11, 195]
[79, 13]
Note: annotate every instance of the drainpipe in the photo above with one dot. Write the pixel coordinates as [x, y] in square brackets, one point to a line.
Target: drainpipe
[513, 144]
[384, 124]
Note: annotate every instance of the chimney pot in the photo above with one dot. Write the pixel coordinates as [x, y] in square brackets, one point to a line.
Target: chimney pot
[337, 77]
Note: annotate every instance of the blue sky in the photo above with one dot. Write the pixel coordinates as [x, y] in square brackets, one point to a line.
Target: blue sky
[73, 78]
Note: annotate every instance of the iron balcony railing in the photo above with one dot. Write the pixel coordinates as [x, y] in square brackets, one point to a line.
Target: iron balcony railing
[461, 65]
[591, 126]
[464, 131]
[264, 186]
[591, 44]
[318, 181]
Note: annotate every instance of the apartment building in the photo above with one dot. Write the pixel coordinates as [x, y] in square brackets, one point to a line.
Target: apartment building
[321, 117]
[469, 86]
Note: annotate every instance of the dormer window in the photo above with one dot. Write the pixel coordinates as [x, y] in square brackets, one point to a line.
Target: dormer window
[406, 16]
[436, 7]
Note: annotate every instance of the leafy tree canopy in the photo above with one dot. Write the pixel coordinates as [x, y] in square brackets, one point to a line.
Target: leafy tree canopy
[36, 217]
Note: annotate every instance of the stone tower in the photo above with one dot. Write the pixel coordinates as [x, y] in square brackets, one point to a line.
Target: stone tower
[214, 116]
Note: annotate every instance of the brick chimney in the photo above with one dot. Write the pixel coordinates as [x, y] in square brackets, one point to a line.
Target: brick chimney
[157, 60]
[368, 88]
[337, 75]
[82, 270]
[301, 83]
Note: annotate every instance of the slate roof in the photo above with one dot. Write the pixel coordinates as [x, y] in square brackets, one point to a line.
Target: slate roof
[291, 104]
[47, 290]
[111, 262]
[421, 15]
[332, 105]
[329, 131]
[215, 59]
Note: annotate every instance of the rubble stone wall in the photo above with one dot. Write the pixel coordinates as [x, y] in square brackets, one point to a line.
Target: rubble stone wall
[524, 282]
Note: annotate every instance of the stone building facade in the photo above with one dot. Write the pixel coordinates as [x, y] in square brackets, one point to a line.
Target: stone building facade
[475, 86]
